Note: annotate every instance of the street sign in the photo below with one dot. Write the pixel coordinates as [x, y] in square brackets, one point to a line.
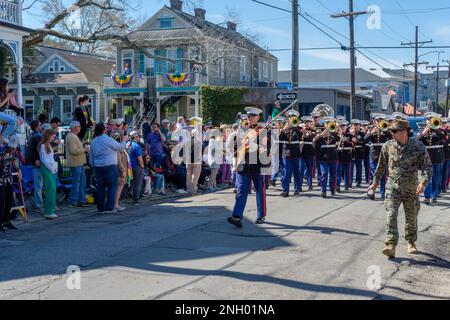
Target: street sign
[286, 96]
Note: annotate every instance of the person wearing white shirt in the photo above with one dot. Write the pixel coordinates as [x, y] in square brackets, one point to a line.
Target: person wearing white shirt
[49, 169]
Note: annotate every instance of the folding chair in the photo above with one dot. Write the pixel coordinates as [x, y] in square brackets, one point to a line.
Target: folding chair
[27, 185]
[63, 186]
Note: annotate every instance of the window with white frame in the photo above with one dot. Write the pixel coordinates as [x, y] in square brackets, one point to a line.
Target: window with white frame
[149, 65]
[265, 66]
[128, 59]
[194, 54]
[47, 106]
[271, 77]
[28, 104]
[221, 64]
[66, 109]
[243, 67]
[172, 54]
[56, 66]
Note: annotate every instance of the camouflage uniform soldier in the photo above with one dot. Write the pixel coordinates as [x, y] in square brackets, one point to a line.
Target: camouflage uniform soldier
[402, 157]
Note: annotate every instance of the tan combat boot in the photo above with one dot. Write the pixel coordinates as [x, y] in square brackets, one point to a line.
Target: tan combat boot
[412, 249]
[389, 251]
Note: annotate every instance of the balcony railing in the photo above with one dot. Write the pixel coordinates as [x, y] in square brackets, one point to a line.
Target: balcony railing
[10, 11]
[136, 81]
[183, 80]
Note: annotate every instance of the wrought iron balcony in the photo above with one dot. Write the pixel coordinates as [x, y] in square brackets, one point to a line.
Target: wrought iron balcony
[11, 11]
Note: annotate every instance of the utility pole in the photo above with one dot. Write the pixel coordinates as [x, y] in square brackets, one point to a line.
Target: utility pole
[438, 78]
[350, 15]
[416, 64]
[295, 47]
[448, 88]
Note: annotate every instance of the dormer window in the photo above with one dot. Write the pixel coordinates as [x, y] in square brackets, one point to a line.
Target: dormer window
[165, 23]
[56, 66]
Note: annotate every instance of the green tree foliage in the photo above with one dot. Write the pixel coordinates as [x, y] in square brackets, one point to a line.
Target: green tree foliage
[221, 104]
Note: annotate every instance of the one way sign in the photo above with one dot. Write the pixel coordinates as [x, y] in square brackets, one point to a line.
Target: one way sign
[286, 96]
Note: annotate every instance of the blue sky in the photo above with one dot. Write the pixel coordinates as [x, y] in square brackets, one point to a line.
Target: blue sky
[398, 18]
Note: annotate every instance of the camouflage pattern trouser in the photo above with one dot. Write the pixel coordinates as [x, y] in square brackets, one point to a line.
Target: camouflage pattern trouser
[411, 205]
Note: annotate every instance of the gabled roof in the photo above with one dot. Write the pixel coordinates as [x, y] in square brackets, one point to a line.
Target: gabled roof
[91, 68]
[330, 76]
[199, 27]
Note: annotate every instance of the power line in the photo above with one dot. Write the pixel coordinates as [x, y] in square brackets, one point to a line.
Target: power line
[409, 19]
[363, 47]
[347, 38]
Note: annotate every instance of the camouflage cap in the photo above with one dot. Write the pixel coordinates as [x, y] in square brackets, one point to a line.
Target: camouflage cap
[400, 125]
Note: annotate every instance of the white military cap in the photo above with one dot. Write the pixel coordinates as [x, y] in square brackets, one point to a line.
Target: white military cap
[281, 119]
[252, 111]
[307, 119]
[340, 118]
[399, 115]
[365, 123]
[356, 121]
[293, 113]
[343, 123]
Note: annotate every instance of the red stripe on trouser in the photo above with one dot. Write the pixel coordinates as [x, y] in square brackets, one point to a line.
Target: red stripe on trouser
[264, 198]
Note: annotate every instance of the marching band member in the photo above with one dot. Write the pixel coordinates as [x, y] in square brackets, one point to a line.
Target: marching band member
[375, 140]
[358, 139]
[308, 153]
[327, 155]
[446, 169]
[317, 126]
[365, 128]
[247, 171]
[433, 139]
[290, 138]
[345, 152]
[277, 148]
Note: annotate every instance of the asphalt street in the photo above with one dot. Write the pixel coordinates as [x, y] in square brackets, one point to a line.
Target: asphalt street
[183, 248]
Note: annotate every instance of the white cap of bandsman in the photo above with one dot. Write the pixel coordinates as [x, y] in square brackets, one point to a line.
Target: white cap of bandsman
[252, 111]
[293, 113]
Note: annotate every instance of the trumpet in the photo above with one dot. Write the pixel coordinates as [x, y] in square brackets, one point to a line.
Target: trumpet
[383, 125]
[294, 122]
[435, 123]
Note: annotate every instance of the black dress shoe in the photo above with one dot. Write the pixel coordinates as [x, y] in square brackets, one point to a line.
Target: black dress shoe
[324, 195]
[284, 194]
[260, 220]
[9, 225]
[346, 189]
[296, 193]
[273, 183]
[333, 193]
[339, 190]
[235, 221]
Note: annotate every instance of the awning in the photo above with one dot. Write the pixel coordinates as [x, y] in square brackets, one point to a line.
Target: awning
[409, 110]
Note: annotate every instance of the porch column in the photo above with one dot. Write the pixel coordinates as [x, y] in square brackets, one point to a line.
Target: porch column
[19, 86]
[141, 106]
[105, 107]
[197, 103]
[158, 108]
